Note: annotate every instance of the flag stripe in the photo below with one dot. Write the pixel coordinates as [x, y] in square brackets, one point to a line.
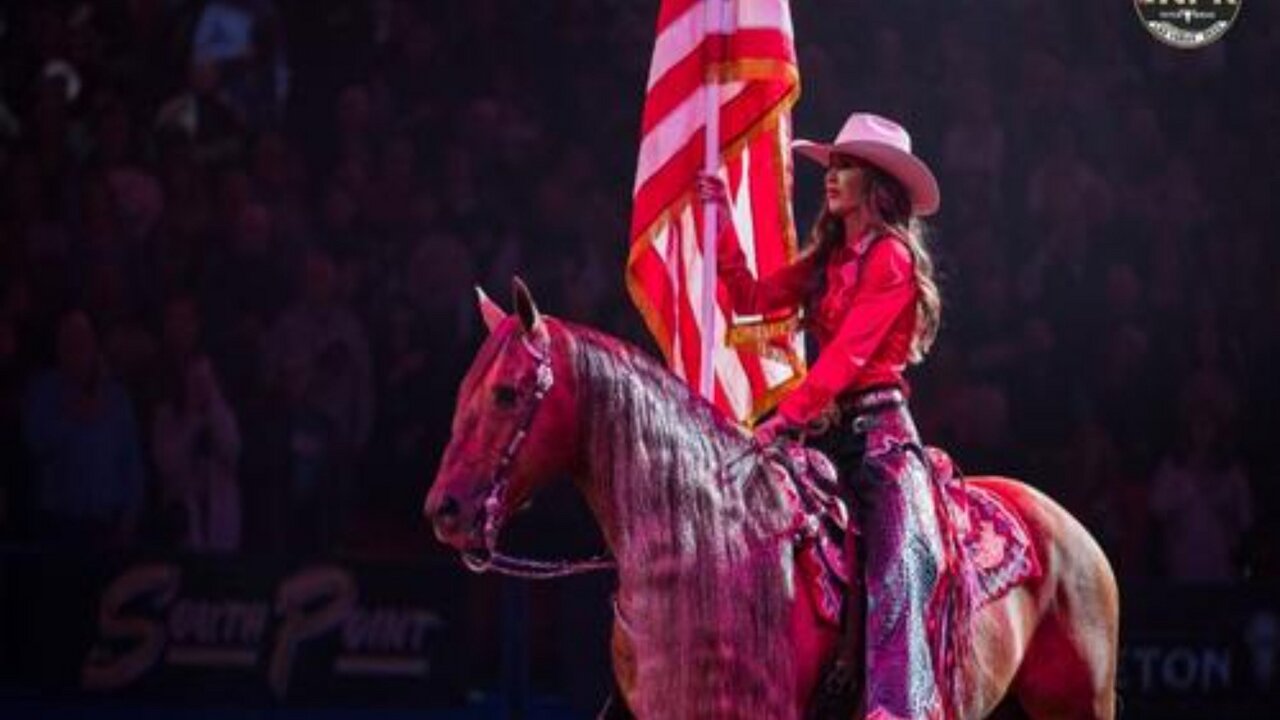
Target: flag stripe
[673, 10]
[678, 128]
[665, 178]
[684, 21]
[768, 216]
[689, 73]
[751, 66]
[651, 289]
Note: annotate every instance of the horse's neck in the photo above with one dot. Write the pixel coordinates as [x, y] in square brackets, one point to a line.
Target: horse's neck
[695, 531]
[649, 443]
[672, 484]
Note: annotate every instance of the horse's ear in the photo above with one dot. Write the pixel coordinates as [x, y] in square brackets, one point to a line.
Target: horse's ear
[489, 310]
[530, 318]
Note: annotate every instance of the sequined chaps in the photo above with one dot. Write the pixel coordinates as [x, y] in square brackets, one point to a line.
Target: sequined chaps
[883, 468]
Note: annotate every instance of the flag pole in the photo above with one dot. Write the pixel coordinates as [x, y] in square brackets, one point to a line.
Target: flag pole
[714, 13]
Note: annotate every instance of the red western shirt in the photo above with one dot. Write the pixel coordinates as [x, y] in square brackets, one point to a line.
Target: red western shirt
[863, 323]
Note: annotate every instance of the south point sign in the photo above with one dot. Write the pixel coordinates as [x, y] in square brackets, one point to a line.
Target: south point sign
[1187, 24]
[148, 618]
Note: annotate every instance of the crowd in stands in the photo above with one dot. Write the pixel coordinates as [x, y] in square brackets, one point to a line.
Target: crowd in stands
[238, 240]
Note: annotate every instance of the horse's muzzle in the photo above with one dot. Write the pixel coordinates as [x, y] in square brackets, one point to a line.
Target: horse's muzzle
[444, 512]
[447, 511]
[455, 523]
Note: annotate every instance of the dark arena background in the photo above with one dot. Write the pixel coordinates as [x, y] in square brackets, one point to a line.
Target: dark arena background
[183, 182]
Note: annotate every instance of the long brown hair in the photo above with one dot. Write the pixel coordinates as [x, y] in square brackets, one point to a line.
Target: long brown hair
[891, 212]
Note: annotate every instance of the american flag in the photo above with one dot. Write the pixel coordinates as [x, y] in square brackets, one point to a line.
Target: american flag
[750, 64]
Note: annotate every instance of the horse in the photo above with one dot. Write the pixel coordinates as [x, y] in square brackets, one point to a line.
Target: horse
[710, 620]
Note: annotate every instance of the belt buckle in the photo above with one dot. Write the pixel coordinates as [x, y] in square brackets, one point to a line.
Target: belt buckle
[884, 396]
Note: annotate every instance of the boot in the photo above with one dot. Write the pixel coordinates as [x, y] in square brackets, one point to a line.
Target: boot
[839, 693]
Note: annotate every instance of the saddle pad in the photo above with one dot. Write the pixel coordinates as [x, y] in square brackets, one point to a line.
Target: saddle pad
[997, 543]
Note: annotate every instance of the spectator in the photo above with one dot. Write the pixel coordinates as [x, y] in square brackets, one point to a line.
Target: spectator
[410, 372]
[984, 442]
[1091, 478]
[353, 118]
[202, 116]
[242, 38]
[1065, 187]
[327, 340]
[318, 359]
[180, 343]
[83, 444]
[974, 147]
[196, 448]
[15, 366]
[389, 204]
[12, 456]
[439, 276]
[275, 179]
[187, 223]
[181, 332]
[342, 227]
[1200, 493]
[245, 286]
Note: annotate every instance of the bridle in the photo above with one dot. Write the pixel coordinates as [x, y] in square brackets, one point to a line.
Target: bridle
[543, 379]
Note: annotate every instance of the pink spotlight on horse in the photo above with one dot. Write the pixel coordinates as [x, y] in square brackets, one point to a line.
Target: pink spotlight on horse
[712, 618]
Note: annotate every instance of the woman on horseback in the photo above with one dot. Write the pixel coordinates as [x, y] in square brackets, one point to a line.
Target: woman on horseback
[865, 284]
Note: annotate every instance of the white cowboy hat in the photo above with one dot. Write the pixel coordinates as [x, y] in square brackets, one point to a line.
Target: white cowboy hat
[885, 144]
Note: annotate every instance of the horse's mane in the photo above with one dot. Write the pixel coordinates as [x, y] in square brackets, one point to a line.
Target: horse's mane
[704, 564]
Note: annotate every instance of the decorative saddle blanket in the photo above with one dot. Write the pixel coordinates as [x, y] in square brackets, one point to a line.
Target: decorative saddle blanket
[992, 539]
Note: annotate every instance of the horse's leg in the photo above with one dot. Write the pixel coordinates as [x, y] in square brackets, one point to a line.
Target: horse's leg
[624, 675]
[1070, 672]
[1069, 669]
[998, 644]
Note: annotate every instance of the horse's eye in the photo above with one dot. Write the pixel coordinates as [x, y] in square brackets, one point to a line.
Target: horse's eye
[505, 396]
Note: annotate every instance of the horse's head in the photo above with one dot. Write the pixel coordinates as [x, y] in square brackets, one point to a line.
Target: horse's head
[511, 428]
